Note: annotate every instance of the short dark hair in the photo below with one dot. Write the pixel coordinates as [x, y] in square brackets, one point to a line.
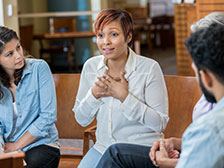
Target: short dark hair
[108, 15]
[206, 47]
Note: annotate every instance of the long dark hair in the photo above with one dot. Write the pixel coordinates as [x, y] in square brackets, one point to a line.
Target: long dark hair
[6, 35]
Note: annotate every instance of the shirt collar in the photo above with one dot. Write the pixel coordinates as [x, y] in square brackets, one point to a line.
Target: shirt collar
[220, 103]
[28, 68]
[129, 67]
[102, 63]
[131, 63]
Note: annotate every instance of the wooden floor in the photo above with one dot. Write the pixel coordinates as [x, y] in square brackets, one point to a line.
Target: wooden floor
[71, 159]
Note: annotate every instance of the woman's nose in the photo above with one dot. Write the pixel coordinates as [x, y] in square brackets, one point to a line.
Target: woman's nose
[17, 55]
[107, 40]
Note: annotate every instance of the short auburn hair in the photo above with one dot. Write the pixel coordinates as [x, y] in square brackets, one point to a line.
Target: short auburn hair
[109, 15]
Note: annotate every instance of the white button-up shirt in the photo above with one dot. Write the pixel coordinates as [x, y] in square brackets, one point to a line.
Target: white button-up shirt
[143, 115]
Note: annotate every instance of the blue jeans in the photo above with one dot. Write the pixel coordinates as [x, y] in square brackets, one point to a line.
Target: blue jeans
[126, 156]
[91, 159]
[42, 156]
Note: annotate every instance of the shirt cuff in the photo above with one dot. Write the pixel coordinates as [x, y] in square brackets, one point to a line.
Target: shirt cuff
[92, 101]
[34, 131]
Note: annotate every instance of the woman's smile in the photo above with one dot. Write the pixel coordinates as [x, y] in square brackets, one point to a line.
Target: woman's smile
[108, 50]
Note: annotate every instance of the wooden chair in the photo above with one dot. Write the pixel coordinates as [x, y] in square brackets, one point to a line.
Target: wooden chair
[12, 160]
[68, 129]
[183, 93]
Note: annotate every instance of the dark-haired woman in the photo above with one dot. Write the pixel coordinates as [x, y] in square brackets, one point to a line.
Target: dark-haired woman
[126, 92]
[27, 105]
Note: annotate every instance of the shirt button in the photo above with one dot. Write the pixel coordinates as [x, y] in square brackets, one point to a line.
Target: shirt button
[20, 116]
[17, 128]
[18, 103]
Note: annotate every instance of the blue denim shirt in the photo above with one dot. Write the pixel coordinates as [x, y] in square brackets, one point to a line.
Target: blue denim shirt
[35, 100]
[203, 141]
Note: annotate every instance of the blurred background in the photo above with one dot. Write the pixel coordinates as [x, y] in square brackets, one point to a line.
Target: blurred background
[61, 32]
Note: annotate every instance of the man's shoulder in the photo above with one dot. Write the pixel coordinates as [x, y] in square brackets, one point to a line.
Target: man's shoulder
[210, 124]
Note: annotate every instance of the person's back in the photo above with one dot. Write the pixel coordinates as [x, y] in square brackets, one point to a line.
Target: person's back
[205, 139]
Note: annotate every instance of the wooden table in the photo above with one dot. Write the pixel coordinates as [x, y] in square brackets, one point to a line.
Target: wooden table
[62, 36]
[12, 160]
[66, 35]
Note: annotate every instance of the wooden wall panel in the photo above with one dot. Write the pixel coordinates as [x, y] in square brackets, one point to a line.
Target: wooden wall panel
[185, 15]
[204, 7]
[182, 22]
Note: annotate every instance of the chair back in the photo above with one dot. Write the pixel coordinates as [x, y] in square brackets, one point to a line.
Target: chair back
[183, 93]
[62, 24]
[66, 89]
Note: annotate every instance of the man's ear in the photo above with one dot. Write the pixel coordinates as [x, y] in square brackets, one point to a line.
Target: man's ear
[206, 78]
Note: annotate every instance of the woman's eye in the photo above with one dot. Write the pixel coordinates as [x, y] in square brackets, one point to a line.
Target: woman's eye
[18, 47]
[100, 35]
[9, 54]
[114, 34]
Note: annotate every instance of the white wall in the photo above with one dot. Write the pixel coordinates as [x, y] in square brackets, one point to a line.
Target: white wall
[1, 13]
[11, 21]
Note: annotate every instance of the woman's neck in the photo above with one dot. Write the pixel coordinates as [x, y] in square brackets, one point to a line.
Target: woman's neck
[117, 64]
[11, 74]
[115, 67]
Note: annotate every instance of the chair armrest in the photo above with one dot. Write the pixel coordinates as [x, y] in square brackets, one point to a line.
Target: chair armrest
[70, 148]
[88, 133]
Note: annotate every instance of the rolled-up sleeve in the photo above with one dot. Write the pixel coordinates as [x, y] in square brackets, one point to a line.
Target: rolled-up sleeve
[48, 106]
